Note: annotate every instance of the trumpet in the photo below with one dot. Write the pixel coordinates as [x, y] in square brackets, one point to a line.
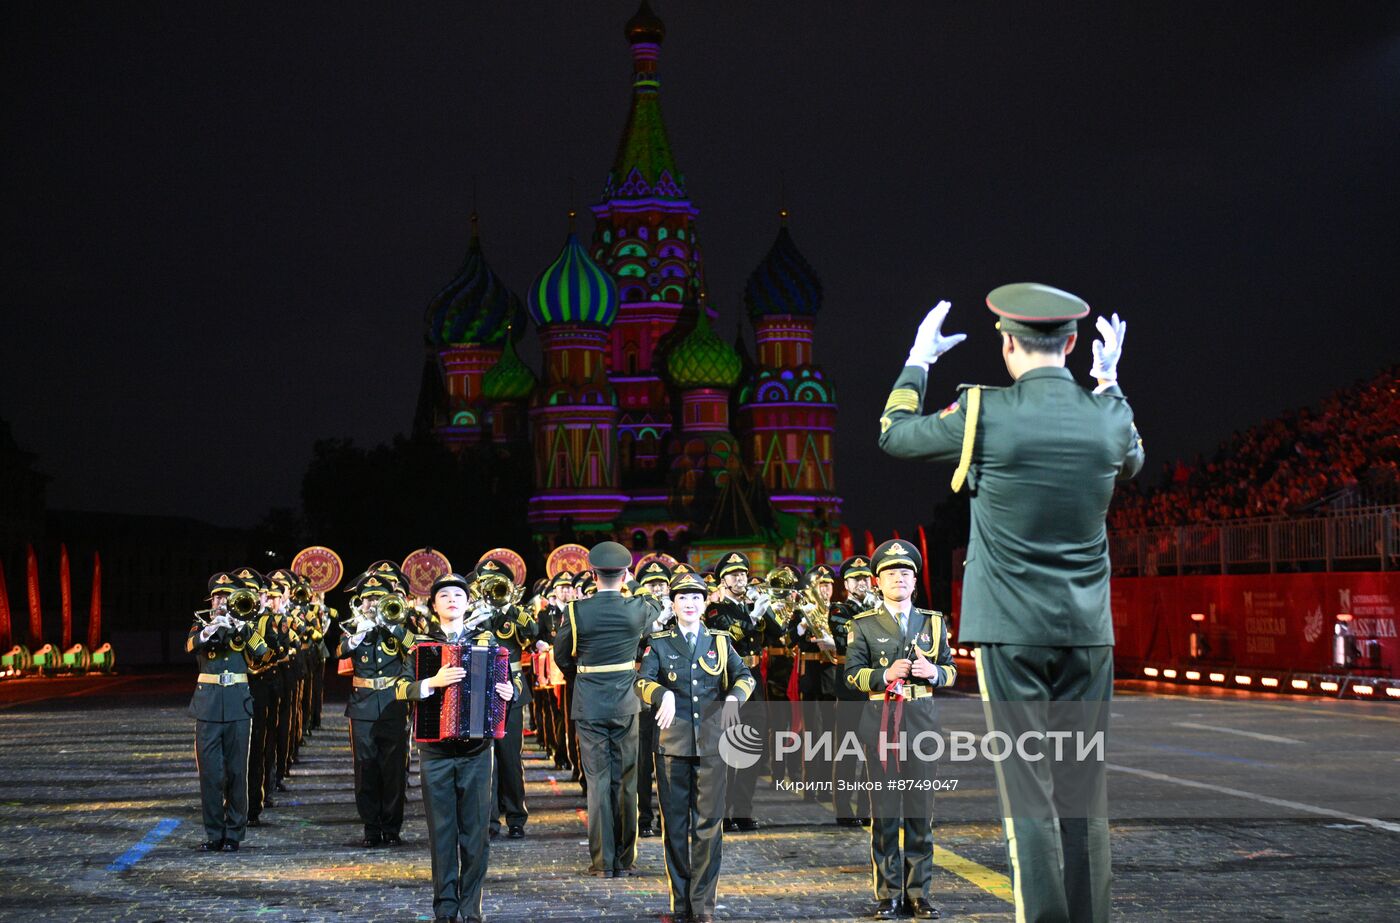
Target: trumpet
[391, 609]
[301, 594]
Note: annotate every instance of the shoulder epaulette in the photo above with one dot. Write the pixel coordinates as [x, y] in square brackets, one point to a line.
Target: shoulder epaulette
[861, 615]
[929, 612]
[965, 385]
[717, 632]
[665, 633]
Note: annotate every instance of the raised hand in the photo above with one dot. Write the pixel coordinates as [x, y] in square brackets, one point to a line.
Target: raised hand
[1107, 351]
[930, 342]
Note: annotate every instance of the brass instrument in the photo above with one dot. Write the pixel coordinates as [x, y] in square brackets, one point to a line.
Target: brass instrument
[496, 590]
[816, 615]
[780, 586]
[239, 607]
[392, 608]
[301, 594]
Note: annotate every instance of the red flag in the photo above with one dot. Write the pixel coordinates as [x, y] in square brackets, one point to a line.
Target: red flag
[869, 544]
[928, 583]
[4, 613]
[95, 613]
[894, 534]
[65, 593]
[36, 614]
[848, 545]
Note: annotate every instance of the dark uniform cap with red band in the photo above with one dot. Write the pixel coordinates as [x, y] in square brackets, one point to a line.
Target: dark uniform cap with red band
[732, 563]
[896, 553]
[688, 583]
[1033, 309]
[609, 556]
[857, 565]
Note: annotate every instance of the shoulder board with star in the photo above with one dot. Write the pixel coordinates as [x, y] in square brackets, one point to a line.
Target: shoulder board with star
[866, 613]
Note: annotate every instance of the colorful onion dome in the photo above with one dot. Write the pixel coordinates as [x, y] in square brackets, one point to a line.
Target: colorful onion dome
[475, 307]
[510, 379]
[784, 283]
[645, 26]
[703, 360]
[574, 290]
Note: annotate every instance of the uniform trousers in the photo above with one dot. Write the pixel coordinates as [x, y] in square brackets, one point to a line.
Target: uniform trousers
[457, 806]
[608, 751]
[381, 772]
[221, 753]
[508, 780]
[690, 791]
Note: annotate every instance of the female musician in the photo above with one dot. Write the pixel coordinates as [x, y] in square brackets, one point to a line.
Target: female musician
[455, 775]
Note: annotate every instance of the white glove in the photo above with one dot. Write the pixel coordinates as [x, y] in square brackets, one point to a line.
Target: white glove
[801, 629]
[759, 608]
[1107, 351]
[929, 342]
[208, 633]
[363, 624]
[541, 645]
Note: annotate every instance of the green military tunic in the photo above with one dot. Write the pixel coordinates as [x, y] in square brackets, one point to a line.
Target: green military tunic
[689, 774]
[1040, 459]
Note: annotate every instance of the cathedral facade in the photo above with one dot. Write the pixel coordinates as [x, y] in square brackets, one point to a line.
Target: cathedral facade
[642, 423]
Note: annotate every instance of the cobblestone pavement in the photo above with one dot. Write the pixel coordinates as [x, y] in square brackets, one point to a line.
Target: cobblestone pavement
[87, 776]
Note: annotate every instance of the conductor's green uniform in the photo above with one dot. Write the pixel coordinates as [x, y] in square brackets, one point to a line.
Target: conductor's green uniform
[1040, 459]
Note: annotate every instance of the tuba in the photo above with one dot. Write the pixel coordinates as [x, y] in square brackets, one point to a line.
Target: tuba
[780, 585]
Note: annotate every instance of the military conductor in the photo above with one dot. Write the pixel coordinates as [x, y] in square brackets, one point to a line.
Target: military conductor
[600, 636]
[1039, 459]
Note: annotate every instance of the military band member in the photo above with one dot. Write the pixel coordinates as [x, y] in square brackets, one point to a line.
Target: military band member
[456, 775]
[851, 803]
[599, 638]
[810, 636]
[291, 673]
[744, 620]
[516, 630]
[377, 648]
[686, 671]
[264, 683]
[558, 593]
[222, 707]
[1040, 459]
[655, 580]
[897, 654]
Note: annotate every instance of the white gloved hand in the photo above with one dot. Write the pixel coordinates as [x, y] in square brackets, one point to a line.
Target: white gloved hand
[760, 607]
[801, 629]
[1107, 351]
[929, 342]
[541, 645]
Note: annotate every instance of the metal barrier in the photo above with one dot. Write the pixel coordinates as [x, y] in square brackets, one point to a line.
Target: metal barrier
[1356, 538]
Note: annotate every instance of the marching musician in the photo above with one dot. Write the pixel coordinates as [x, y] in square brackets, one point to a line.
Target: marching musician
[852, 805]
[685, 671]
[264, 683]
[811, 637]
[377, 647]
[655, 580]
[558, 592]
[516, 629]
[743, 619]
[456, 774]
[897, 655]
[599, 637]
[222, 707]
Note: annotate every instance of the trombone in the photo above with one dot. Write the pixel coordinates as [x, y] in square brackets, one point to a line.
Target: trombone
[496, 590]
[239, 607]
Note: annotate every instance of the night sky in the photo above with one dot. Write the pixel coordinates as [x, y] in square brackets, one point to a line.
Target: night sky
[222, 222]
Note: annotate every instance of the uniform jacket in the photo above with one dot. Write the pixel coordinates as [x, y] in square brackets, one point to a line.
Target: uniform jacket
[602, 630]
[409, 688]
[381, 652]
[1043, 461]
[698, 680]
[874, 642]
[226, 651]
[732, 617]
[516, 630]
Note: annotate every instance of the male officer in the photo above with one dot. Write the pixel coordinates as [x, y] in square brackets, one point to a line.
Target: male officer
[809, 634]
[516, 629]
[897, 654]
[377, 647]
[851, 804]
[1040, 459]
[223, 711]
[599, 638]
[747, 626]
[685, 671]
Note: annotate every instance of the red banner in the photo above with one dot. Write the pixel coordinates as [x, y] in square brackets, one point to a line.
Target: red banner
[95, 611]
[5, 641]
[848, 545]
[1255, 621]
[36, 614]
[65, 595]
[869, 544]
[923, 571]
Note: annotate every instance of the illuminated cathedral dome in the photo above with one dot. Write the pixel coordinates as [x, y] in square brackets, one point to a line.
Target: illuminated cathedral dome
[573, 290]
[510, 379]
[784, 283]
[703, 360]
[475, 307]
[645, 26]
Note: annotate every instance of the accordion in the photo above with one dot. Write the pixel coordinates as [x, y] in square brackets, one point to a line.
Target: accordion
[469, 710]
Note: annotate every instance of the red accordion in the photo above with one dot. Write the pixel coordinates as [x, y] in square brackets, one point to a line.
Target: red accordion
[469, 710]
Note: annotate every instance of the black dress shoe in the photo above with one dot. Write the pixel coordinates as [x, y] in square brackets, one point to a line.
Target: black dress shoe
[281, 786]
[746, 824]
[730, 825]
[254, 822]
[628, 872]
[679, 916]
[646, 829]
[212, 846]
[598, 873]
[886, 910]
[495, 832]
[923, 910]
[230, 846]
[392, 839]
[372, 840]
[702, 918]
[516, 832]
[444, 920]
[847, 822]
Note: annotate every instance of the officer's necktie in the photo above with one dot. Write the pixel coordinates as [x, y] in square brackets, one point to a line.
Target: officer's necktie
[690, 640]
[903, 625]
